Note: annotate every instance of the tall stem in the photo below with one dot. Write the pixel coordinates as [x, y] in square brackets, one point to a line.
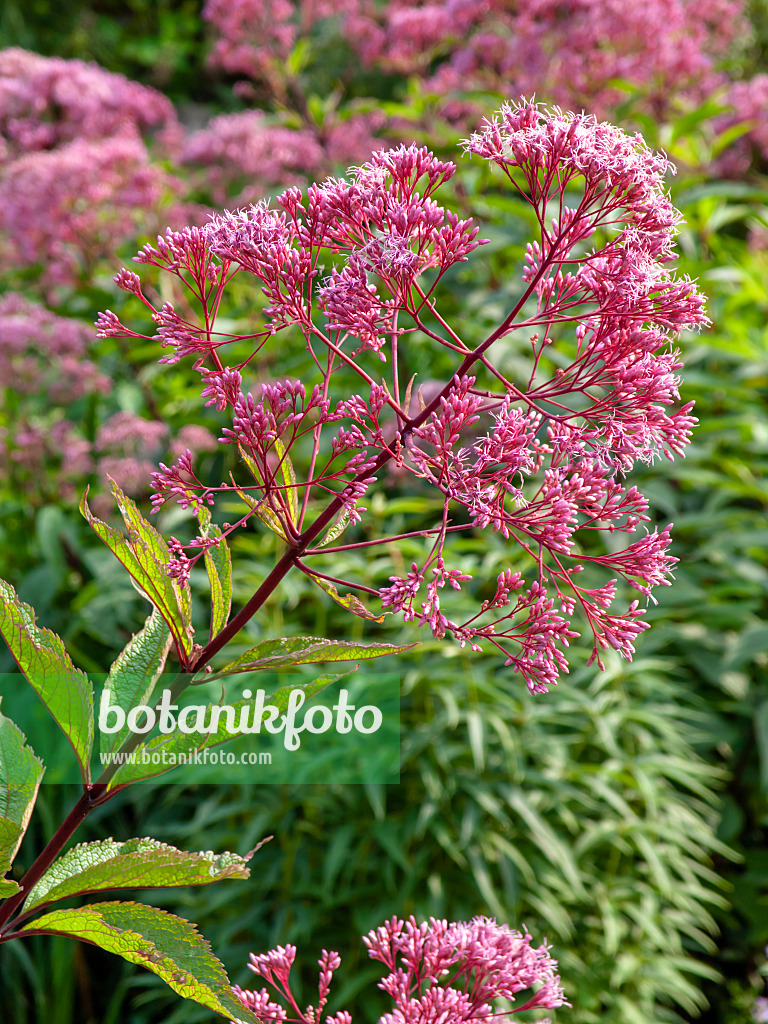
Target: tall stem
[97, 793]
[67, 829]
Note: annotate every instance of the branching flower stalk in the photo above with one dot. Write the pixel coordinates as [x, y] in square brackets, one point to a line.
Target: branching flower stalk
[541, 463]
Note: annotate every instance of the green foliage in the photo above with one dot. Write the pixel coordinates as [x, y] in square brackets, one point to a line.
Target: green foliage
[145, 555]
[20, 775]
[136, 864]
[66, 691]
[161, 753]
[161, 42]
[283, 652]
[218, 565]
[132, 678]
[166, 945]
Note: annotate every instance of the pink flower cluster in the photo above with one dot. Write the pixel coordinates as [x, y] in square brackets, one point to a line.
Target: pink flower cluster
[75, 175]
[570, 52]
[257, 36]
[439, 973]
[65, 209]
[43, 354]
[246, 151]
[47, 102]
[541, 462]
[242, 156]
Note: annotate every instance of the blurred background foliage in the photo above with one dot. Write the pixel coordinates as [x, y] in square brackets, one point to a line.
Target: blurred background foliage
[623, 815]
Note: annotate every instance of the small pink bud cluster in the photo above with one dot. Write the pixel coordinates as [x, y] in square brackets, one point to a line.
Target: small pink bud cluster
[439, 973]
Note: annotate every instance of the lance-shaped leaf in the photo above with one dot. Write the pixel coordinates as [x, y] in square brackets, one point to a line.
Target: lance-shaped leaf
[20, 774]
[262, 509]
[134, 673]
[302, 650]
[40, 654]
[338, 526]
[145, 555]
[10, 835]
[290, 491]
[218, 565]
[135, 864]
[163, 943]
[348, 601]
[173, 747]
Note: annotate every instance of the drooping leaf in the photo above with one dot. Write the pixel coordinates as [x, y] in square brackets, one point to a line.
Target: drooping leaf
[66, 692]
[290, 492]
[261, 508]
[134, 673]
[163, 943]
[303, 650]
[338, 526]
[145, 555]
[170, 746]
[218, 565]
[348, 601]
[8, 888]
[20, 775]
[135, 864]
[264, 512]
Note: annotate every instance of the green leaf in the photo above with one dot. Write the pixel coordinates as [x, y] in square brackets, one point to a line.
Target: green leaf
[135, 672]
[302, 650]
[10, 836]
[163, 943]
[338, 526]
[218, 565]
[135, 864]
[290, 491]
[264, 512]
[66, 692]
[348, 601]
[145, 555]
[170, 746]
[20, 775]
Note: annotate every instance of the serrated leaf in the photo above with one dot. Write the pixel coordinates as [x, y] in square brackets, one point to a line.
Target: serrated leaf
[145, 555]
[348, 601]
[218, 565]
[165, 944]
[170, 745]
[20, 775]
[41, 656]
[135, 672]
[303, 650]
[135, 864]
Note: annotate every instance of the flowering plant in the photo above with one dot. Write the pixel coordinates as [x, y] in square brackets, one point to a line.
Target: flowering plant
[352, 273]
[542, 463]
[483, 962]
